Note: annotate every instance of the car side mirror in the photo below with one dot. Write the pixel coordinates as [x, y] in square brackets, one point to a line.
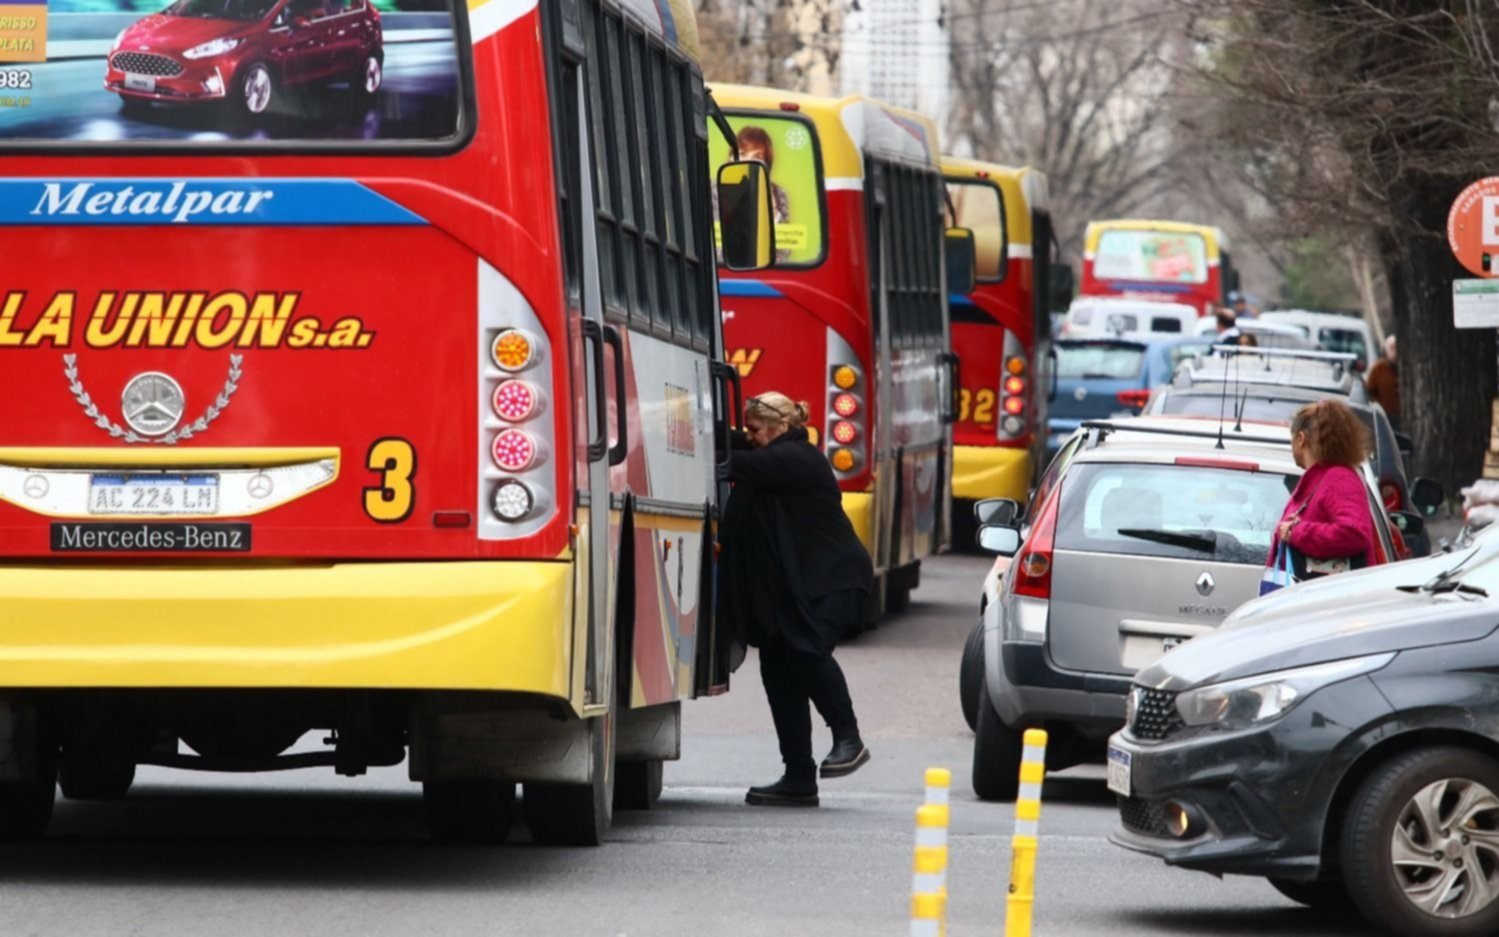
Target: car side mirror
[1408, 523]
[746, 218]
[1427, 495]
[1405, 444]
[300, 22]
[996, 512]
[1002, 540]
[1062, 286]
[962, 261]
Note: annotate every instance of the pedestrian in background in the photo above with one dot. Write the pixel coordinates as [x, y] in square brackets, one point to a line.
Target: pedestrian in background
[1383, 383]
[1327, 520]
[793, 580]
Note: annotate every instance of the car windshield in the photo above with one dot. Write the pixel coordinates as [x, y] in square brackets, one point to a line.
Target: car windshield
[1186, 350]
[245, 11]
[1346, 341]
[1172, 511]
[1119, 361]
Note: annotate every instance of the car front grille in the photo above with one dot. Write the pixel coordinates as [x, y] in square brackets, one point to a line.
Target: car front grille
[145, 63]
[1146, 817]
[1155, 715]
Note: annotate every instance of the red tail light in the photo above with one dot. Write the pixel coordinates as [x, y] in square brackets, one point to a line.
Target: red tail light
[1136, 398]
[1389, 493]
[1032, 568]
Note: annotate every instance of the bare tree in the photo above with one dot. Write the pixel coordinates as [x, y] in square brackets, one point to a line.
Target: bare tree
[1363, 119]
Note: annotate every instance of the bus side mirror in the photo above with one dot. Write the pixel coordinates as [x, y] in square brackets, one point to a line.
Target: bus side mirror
[1061, 286]
[962, 259]
[745, 216]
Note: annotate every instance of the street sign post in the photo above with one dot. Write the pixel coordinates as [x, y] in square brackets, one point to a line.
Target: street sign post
[1475, 304]
[1473, 227]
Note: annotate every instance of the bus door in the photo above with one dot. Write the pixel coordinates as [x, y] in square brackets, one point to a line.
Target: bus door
[886, 459]
[597, 536]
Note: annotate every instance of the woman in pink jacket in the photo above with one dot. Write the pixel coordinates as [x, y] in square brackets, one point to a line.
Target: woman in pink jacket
[1327, 518]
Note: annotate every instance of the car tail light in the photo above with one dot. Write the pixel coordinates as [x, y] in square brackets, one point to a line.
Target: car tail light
[517, 426]
[1389, 493]
[1032, 568]
[1014, 396]
[1136, 398]
[848, 429]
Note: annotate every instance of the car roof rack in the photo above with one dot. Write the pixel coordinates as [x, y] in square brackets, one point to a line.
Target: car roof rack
[1309, 354]
[1105, 427]
[1326, 370]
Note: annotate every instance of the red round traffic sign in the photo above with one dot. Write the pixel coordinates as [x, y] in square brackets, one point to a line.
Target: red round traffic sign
[1473, 227]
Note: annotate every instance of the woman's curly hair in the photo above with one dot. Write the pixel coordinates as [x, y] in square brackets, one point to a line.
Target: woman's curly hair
[1334, 433]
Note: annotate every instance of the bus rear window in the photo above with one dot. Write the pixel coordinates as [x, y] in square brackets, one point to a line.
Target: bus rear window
[1099, 360]
[1151, 256]
[980, 209]
[788, 146]
[230, 72]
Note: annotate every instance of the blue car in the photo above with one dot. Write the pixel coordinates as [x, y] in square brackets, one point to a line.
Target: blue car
[1099, 378]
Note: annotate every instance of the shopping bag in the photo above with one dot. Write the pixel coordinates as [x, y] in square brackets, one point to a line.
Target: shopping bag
[1278, 574]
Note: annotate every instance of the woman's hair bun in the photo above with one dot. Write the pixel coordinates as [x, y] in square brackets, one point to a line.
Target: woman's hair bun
[803, 413]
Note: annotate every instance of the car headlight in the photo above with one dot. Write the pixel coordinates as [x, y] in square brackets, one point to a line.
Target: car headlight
[210, 48]
[1239, 704]
[119, 38]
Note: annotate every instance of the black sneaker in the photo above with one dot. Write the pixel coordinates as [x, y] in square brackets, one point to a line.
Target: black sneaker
[847, 756]
[784, 793]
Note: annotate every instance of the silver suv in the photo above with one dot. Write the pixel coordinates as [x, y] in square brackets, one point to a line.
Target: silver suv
[1152, 531]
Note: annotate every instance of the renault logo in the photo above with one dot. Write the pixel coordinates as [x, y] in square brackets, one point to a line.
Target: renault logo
[152, 403]
[1205, 584]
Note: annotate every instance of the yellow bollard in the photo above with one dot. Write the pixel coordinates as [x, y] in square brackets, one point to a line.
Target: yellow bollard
[929, 871]
[938, 793]
[1021, 902]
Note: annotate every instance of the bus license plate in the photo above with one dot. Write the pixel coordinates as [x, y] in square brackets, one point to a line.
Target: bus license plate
[1119, 764]
[140, 82]
[153, 495]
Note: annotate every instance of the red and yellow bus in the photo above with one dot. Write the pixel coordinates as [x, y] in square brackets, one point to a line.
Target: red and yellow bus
[1170, 261]
[853, 316]
[1001, 331]
[382, 410]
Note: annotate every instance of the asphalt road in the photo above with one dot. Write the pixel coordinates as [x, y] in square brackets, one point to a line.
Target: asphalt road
[306, 852]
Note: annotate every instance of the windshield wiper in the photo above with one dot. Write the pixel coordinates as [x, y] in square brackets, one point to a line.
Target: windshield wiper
[1101, 377]
[1207, 540]
[1440, 582]
[1462, 587]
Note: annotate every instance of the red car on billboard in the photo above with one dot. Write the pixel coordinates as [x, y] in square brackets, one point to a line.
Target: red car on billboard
[246, 52]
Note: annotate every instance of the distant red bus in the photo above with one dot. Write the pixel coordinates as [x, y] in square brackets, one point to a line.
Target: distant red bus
[1000, 331]
[1169, 261]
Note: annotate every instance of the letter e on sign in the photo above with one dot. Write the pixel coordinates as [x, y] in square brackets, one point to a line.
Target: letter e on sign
[1473, 227]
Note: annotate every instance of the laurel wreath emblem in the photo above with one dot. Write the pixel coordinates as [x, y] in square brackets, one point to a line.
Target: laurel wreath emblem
[187, 431]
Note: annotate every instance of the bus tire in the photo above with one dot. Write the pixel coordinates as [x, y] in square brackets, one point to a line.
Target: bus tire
[26, 806]
[576, 814]
[638, 784]
[84, 778]
[475, 813]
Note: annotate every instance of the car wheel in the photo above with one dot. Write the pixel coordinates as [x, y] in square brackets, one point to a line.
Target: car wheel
[257, 90]
[1323, 894]
[638, 784]
[996, 754]
[1420, 844]
[469, 812]
[971, 675]
[368, 78]
[83, 778]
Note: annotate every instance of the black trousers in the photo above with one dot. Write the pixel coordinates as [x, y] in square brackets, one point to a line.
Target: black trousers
[795, 677]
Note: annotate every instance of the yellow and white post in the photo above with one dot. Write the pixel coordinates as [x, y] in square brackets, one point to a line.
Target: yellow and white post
[1022, 899]
[929, 862]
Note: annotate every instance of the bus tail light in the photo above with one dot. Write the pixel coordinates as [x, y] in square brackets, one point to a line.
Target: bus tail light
[1014, 391]
[516, 424]
[848, 393]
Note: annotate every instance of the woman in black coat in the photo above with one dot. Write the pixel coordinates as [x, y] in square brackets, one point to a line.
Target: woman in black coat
[793, 580]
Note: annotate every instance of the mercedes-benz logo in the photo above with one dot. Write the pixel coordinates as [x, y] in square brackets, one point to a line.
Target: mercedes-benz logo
[260, 486]
[152, 403]
[1206, 584]
[35, 486]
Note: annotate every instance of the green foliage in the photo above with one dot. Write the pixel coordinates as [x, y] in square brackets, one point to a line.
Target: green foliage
[1317, 277]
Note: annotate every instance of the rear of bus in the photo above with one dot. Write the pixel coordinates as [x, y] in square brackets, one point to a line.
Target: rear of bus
[325, 416]
[1001, 404]
[1167, 261]
[852, 317]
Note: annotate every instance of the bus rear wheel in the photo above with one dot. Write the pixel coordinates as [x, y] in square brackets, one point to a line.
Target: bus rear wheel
[469, 812]
[576, 814]
[83, 778]
[26, 806]
[638, 785]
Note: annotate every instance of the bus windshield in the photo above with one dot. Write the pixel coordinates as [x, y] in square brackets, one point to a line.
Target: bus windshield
[226, 74]
[788, 147]
[1151, 256]
[979, 207]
